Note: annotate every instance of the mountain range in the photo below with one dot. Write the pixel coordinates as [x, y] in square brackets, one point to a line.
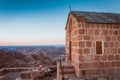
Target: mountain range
[30, 56]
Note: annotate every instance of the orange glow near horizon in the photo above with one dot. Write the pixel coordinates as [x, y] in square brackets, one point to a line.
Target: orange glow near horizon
[32, 42]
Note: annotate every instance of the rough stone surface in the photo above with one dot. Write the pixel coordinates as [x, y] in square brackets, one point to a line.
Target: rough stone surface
[102, 78]
[81, 38]
[4, 78]
[26, 75]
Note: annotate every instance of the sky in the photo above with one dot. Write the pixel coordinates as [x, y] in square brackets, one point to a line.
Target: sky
[36, 22]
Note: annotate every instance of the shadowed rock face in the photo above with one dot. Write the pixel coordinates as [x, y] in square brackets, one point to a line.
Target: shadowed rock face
[11, 59]
[25, 57]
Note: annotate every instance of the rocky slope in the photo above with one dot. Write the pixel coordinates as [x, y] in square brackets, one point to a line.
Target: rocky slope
[11, 59]
[22, 57]
[52, 52]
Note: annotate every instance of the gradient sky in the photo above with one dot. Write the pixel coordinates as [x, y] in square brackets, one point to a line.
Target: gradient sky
[43, 21]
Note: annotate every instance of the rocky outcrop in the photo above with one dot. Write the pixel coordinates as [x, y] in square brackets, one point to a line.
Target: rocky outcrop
[50, 52]
[11, 59]
[26, 57]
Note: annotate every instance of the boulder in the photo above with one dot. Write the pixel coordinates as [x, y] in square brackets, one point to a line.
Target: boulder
[26, 75]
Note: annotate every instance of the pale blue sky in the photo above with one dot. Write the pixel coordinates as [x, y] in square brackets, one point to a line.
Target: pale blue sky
[43, 21]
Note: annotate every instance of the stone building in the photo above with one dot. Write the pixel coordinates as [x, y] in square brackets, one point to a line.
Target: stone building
[93, 42]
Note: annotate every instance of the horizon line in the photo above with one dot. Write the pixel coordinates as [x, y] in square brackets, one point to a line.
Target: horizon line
[30, 44]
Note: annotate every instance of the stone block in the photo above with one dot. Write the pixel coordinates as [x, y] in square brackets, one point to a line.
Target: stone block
[26, 75]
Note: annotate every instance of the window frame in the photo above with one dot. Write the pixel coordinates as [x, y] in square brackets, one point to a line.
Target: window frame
[102, 47]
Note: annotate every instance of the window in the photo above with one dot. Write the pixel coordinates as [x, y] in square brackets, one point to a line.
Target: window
[70, 49]
[98, 47]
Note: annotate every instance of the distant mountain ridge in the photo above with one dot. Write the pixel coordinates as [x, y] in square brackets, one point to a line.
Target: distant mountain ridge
[12, 47]
[52, 53]
[11, 59]
[29, 56]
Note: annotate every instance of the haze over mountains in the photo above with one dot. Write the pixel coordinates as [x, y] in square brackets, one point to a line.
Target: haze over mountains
[30, 56]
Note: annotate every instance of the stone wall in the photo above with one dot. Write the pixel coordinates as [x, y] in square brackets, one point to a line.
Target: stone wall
[83, 37]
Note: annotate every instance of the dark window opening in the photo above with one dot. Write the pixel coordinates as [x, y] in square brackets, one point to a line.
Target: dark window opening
[83, 72]
[98, 47]
[70, 49]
